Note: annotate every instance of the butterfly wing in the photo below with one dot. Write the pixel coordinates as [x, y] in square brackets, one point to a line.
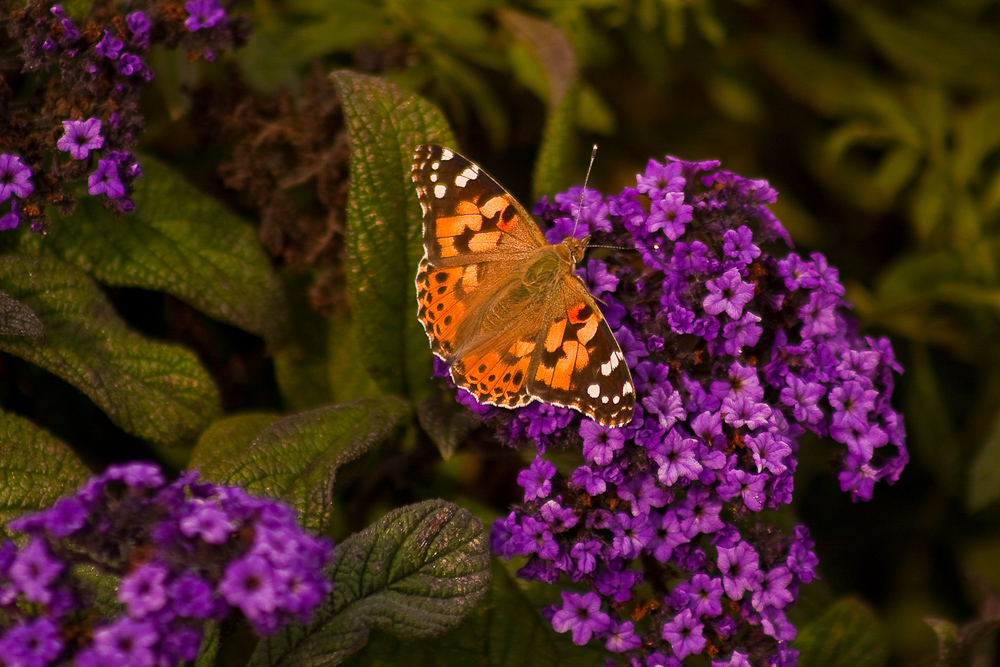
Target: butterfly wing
[476, 239]
[468, 217]
[577, 362]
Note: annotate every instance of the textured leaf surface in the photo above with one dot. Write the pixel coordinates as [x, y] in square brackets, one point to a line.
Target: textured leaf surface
[847, 634]
[506, 630]
[16, 319]
[416, 573]
[179, 241]
[296, 458]
[384, 243]
[35, 468]
[156, 391]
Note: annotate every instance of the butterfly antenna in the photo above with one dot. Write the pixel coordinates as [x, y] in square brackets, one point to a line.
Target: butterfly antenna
[583, 193]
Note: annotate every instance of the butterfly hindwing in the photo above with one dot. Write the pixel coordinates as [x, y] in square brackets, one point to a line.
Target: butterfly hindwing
[578, 363]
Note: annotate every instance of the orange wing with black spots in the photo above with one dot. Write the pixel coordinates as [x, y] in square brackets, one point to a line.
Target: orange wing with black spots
[502, 306]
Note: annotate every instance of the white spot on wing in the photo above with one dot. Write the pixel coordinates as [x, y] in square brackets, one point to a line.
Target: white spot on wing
[594, 390]
[440, 190]
[446, 154]
[627, 389]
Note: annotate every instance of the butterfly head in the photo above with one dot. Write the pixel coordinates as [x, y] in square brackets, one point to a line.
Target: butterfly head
[571, 249]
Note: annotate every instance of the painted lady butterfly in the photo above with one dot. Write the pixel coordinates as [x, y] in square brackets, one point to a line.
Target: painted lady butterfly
[503, 307]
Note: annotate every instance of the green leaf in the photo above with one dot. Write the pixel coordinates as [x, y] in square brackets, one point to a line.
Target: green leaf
[554, 55]
[302, 363]
[296, 458]
[416, 573]
[35, 468]
[16, 319]
[179, 241]
[348, 378]
[156, 391]
[984, 475]
[384, 242]
[848, 634]
[506, 630]
[972, 644]
[447, 425]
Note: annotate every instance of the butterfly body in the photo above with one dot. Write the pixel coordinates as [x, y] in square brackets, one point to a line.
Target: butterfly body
[502, 306]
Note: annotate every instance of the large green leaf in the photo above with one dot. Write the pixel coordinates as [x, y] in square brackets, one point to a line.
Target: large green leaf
[156, 391]
[384, 243]
[35, 468]
[848, 634]
[296, 458]
[180, 241]
[506, 630]
[416, 573]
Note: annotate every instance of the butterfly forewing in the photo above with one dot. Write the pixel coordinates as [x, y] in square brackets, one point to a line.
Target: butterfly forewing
[502, 306]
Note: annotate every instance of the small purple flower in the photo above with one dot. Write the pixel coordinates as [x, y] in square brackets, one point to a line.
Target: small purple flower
[105, 180]
[660, 178]
[739, 245]
[728, 293]
[139, 24]
[191, 596]
[622, 637]
[128, 641]
[34, 570]
[685, 634]
[669, 214]
[248, 583]
[737, 659]
[203, 14]
[34, 644]
[536, 479]
[109, 46]
[143, 591]
[15, 177]
[740, 569]
[207, 521]
[582, 614]
[129, 64]
[600, 443]
[11, 220]
[80, 137]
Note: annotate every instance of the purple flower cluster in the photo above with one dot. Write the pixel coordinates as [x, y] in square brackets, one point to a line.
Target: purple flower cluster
[15, 182]
[734, 353]
[86, 76]
[186, 552]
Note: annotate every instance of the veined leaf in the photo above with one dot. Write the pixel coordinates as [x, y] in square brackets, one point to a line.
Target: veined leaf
[384, 238]
[156, 391]
[35, 468]
[182, 242]
[416, 573]
[296, 458]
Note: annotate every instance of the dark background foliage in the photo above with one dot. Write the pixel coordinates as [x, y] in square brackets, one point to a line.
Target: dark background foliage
[877, 122]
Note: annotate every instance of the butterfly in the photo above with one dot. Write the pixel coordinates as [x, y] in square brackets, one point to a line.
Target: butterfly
[502, 306]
